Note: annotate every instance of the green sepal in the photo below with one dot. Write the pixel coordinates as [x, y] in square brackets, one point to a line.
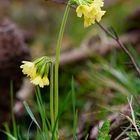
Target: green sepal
[80, 2]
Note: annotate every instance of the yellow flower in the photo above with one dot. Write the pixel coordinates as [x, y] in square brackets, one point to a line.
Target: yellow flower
[38, 80]
[82, 10]
[37, 70]
[98, 3]
[91, 12]
[99, 15]
[88, 21]
[28, 68]
[96, 11]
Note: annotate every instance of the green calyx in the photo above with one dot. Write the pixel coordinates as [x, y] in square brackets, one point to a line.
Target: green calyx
[42, 65]
[80, 2]
[44, 70]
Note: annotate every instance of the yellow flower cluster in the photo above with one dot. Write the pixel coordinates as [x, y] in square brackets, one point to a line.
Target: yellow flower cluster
[30, 69]
[91, 12]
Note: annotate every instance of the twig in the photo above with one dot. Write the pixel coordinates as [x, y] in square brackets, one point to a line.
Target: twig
[133, 116]
[123, 133]
[121, 45]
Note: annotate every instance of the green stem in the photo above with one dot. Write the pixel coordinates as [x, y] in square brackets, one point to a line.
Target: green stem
[59, 41]
[51, 97]
[12, 111]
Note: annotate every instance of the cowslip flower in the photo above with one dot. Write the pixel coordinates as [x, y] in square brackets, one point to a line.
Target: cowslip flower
[41, 81]
[91, 12]
[28, 68]
[98, 3]
[88, 21]
[37, 71]
[82, 10]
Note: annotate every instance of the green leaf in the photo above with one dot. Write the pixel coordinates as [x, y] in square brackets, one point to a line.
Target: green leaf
[31, 114]
[9, 135]
[75, 114]
[12, 112]
[103, 133]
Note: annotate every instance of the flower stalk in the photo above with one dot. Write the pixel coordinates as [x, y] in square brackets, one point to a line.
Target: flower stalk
[51, 97]
[59, 42]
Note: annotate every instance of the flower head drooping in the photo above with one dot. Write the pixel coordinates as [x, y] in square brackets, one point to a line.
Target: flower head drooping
[91, 11]
[41, 81]
[28, 68]
[37, 70]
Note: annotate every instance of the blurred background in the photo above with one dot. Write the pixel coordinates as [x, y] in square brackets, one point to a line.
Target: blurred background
[104, 76]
